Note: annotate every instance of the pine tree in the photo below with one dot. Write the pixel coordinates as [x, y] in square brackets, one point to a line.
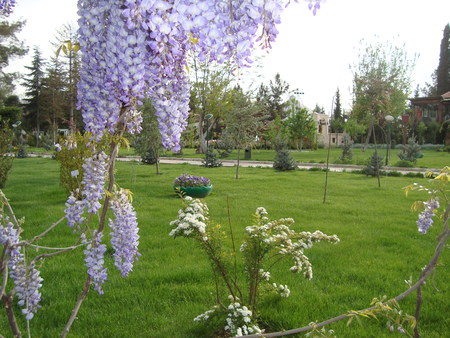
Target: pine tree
[33, 84]
[411, 151]
[283, 159]
[374, 165]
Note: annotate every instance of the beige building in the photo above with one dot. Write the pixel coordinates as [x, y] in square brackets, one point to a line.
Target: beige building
[324, 137]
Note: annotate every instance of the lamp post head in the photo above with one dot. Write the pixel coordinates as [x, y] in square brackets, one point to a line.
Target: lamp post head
[389, 118]
[208, 116]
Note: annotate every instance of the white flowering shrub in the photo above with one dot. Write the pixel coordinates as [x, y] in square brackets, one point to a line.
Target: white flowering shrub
[265, 242]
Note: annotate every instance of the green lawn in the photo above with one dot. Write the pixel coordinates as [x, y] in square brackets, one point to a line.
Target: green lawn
[171, 284]
[431, 159]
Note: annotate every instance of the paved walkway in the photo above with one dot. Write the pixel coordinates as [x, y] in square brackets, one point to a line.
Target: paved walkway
[266, 164]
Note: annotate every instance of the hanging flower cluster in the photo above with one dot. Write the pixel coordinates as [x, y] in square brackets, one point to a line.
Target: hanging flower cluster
[27, 280]
[124, 235]
[137, 49]
[426, 217]
[94, 259]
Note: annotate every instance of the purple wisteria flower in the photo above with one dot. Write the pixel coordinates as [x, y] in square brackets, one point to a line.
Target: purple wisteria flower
[94, 260]
[124, 235]
[137, 49]
[6, 6]
[426, 217]
[27, 281]
[186, 180]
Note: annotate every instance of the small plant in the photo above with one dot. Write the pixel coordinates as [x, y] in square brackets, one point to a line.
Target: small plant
[265, 244]
[347, 150]
[186, 180]
[283, 159]
[411, 151]
[211, 160]
[374, 166]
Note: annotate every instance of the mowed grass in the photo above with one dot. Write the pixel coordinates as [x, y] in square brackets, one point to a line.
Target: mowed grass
[431, 158]
[172, 282]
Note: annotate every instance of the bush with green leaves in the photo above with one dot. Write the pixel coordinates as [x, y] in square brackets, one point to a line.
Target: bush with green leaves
[6, 157]
[266, 243]
[73, 152]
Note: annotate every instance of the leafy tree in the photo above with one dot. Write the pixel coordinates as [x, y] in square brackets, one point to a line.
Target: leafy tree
[210, 94]
[300, 124]
[381, 84]
[353, 128]
[242, 123]
[33, 84]
[148, 143]
[10, 47]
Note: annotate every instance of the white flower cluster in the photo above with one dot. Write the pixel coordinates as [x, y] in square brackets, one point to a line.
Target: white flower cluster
[239, 320]
[283, 290]
[265, 275]
[205, 316]
[279, 236]
[192, 220]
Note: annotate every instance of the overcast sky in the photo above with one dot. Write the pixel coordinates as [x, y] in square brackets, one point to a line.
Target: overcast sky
[312, 53]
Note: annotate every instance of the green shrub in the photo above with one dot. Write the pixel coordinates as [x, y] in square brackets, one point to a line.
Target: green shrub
[374, 165]
[6, 158]
[404, 164]
[411, 151]
[74, 151]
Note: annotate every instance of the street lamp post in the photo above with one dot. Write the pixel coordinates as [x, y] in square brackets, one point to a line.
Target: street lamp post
[388, 119]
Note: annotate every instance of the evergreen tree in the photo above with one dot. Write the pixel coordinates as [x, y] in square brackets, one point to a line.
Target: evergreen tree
[148, 143]
[10, 47]
[374, 165]
[337, 113]
[443, 70]
[283, 159]
[271, 99]
[54, 97]
[33, 84]
[347, 150]
[411, 151]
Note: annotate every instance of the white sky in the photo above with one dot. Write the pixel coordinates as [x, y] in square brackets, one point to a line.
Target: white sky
[312, 53]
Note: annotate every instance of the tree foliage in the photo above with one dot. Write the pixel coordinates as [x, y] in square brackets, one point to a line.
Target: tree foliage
[148, 143]
[10, 47]
[33, 82]
[300, 124]
[381, 83]
[271, 99]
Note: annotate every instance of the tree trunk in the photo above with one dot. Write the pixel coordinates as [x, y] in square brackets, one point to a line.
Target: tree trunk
[238, 157]
[369, 133]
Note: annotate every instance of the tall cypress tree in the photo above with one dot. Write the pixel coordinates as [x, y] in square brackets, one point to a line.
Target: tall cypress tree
[33, 84]
[443, 70]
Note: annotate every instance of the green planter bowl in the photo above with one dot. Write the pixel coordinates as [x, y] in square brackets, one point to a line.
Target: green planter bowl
[194, 191]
